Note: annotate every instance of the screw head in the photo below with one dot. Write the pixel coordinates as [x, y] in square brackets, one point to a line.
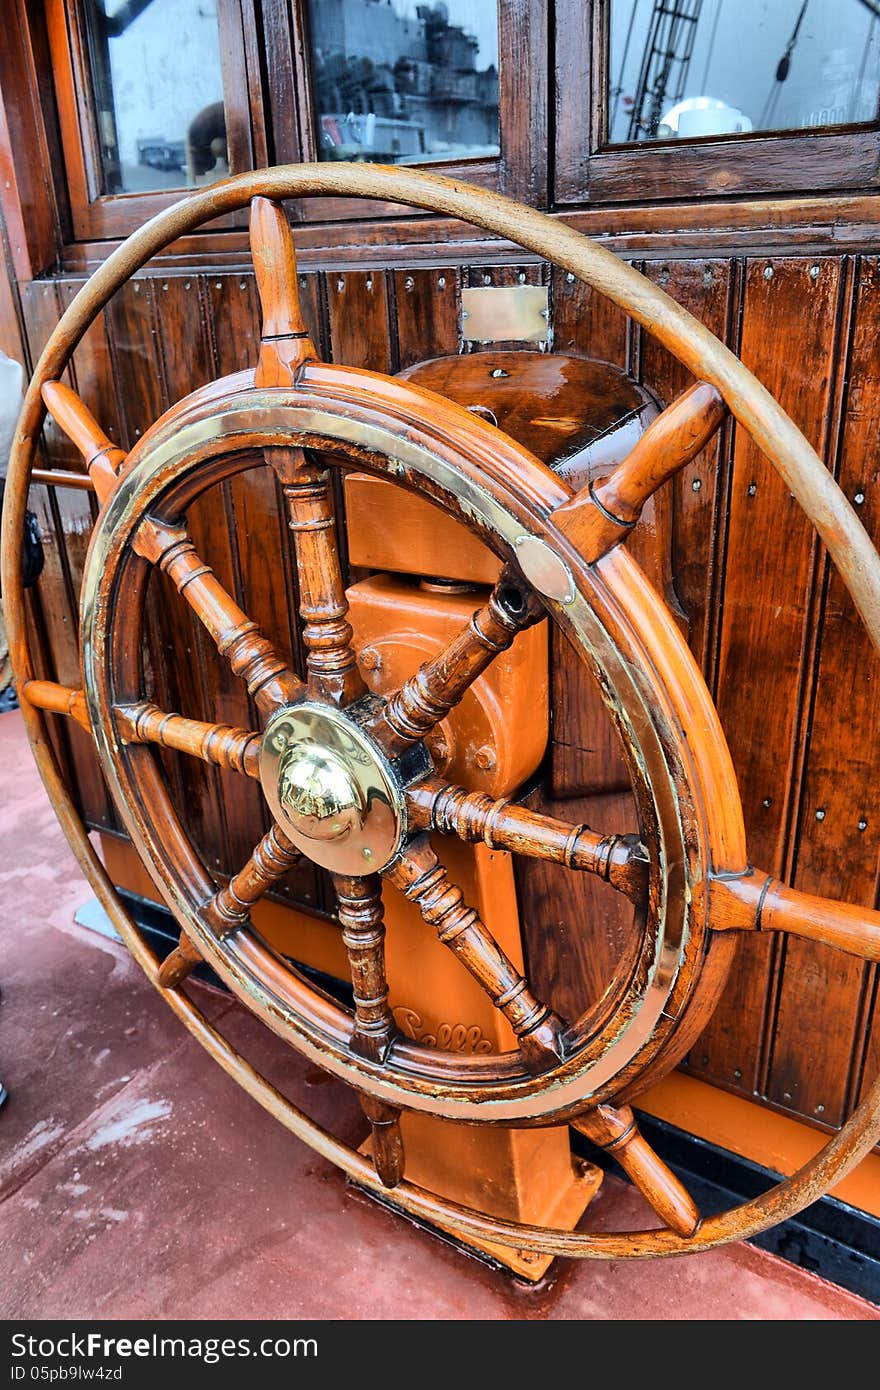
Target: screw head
[439, 749]
[485, 758]
[370, 659]
[768, 272]
[820, 814]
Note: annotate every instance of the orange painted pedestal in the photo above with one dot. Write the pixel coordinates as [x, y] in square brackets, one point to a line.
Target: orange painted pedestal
[517, 1174]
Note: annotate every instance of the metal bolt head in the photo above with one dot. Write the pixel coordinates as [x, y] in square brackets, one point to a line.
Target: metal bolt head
[441, 283]
[859, 498]
[820, 814]
[409, 284]
[439, 749]
[485, 758]
[768, 272]
[814, 272]
[370, 659]
[863, 824]
[569, 278]
[696, 485]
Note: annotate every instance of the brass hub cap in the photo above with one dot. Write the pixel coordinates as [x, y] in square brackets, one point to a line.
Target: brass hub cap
[331, 789]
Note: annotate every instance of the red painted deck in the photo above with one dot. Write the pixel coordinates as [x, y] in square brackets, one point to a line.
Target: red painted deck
[136, 1180]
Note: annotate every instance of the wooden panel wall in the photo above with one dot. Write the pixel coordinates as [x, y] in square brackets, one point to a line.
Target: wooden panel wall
[775, 633]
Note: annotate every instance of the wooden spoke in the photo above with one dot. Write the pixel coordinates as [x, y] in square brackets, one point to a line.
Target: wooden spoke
[179, 963]
[617, 1132]
[236, 749]
[231, 905]
[331, 662]
[602, 515]
[758, 902]
[421, 877]
[438, 685]
[363, 933]
[103, 457]
[238, 639]
[285, 344]
[59, 699]
[619, 859]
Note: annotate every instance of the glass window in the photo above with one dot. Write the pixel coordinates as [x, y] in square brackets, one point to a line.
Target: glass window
[680, 69]
[158, 93]
[397, 83]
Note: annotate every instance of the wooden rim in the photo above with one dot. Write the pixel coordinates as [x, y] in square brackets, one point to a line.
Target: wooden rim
[172, 463]
[779, 439]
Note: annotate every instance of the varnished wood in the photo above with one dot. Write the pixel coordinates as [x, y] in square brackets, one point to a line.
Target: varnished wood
[419, 874]
[285, 344]
[49, 695]
[103, 458]
[178, 964]
[237, 637]
[389, 1159]
[62, 477]
[428, 696]
[501, 824]
[331, 662]
[602, 514]
[236, 749]
[363, 935]
[759, 902]
[231, 905]
[616, 1131]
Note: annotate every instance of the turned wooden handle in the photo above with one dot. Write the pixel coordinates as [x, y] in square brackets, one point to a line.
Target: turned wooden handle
[616, 1131]
[179, 963]
[757, 902]
[58, 699]
[602, 514]
[286, 344]
[103, 457]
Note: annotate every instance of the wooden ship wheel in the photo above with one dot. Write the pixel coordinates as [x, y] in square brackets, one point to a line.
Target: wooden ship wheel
[347, 775]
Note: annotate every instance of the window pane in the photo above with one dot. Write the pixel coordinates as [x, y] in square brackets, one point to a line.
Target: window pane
[158, 93]
[398, 83]
[680, 69]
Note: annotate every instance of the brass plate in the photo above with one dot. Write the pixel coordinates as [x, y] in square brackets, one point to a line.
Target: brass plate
[506, 314]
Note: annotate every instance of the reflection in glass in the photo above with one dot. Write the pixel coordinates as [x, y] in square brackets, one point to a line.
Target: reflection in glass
[680, 69]
[158, 93]
[398, 83]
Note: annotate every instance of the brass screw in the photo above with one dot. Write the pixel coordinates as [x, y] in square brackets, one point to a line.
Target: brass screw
[371, 660]
[485, 758]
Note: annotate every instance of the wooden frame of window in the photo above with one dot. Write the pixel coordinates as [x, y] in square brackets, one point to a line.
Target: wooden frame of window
[96, 215]
[523, 59]
[588, 170]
